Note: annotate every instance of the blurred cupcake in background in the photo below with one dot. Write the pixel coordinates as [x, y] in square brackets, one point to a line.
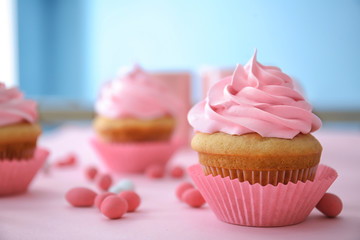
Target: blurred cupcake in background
[135, 120]
[20, 158]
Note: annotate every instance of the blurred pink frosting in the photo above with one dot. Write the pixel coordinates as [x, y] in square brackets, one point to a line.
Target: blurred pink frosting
[134, 94]
[14, 108]
[258, 99]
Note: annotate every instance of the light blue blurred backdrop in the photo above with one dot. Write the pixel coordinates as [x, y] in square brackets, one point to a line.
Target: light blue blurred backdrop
[67, 48]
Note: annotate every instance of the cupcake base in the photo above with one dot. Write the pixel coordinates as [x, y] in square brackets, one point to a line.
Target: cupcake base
[133, 157]
[263, 177]
[244, 204]
[17, 174]
[18, 151]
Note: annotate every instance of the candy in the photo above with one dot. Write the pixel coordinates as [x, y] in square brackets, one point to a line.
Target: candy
[122, 185]
[68, 160]
[101, 197]
[91, 172]
[155, 171]
[182, 188]
[132, 198]
[114, 207]
[80, 197]
[177, 172]
[193, 198]
[104, 181]
[330, 205]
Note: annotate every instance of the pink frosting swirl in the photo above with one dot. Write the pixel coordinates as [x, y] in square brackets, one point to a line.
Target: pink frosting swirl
[135, 94]
[258, 99]
[14, 108]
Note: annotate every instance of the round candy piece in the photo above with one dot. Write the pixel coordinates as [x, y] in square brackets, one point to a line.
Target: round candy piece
[132, 198]
[80, 197]
[177, 172]
[182, 188]
[330, 205]
[114, 207]
[122, 185]
[91, 172]
[68, 160]
[155, 171]
[104, 181]
[193, 198]
[100, 198]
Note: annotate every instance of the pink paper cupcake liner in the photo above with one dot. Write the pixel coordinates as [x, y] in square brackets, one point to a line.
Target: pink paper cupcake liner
[264, 177]
[241, 203]
[133, 157]
[17, 174]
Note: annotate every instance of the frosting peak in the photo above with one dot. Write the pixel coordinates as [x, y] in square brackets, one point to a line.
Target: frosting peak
[14, 108]
[256, 98]
[135, 94]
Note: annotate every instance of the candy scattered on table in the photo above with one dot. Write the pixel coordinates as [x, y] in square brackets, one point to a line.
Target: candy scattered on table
[182, 188]
[68, 160]
[177, 172]
[132, 199]
[330, 205]
[155, 171]
[110, 205]
[122, 185]
[80, 197]
[193, 198]
[114, 207]
[104, 181]
[91, 172]
[187, 193]
[100, 198]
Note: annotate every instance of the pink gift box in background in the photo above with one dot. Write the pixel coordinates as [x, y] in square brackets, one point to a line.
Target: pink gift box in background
[210, 75]
[179, 83]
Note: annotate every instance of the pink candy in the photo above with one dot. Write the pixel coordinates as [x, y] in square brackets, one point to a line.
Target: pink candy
[177, 172]
[132, 199]
[158, 171]
[114, 207]
[91, 172]
[330, 205]
[80, 197]
[100, 198]
[68, 160]
[155, 171]
[111, 205]
[182, 188]
[104, 181]
[193, 198]
[187, 193]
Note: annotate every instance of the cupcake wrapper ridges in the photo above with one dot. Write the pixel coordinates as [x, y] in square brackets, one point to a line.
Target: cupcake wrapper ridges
[133, 157]
[241, 203]
[17, 174]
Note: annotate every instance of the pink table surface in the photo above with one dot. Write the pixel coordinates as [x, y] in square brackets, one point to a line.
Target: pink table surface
[43, 213]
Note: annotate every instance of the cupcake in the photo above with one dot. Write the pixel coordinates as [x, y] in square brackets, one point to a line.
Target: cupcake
[20, 158]
[135, 121]
[18, 130]
[257, 157]
[253, 126]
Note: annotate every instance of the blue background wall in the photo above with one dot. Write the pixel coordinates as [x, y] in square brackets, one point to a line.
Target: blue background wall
[52, 47]
[68, 48]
